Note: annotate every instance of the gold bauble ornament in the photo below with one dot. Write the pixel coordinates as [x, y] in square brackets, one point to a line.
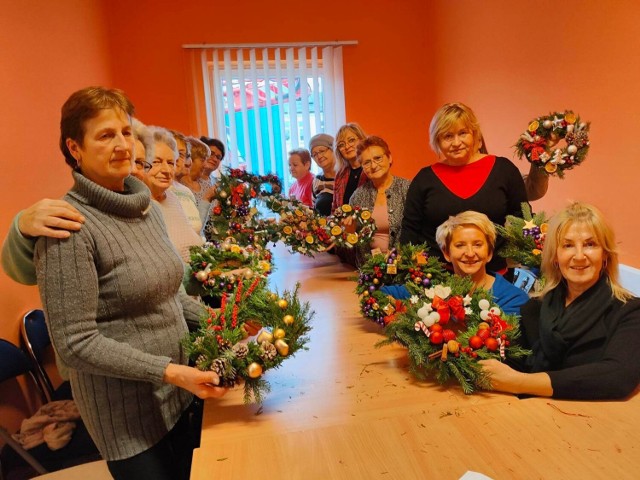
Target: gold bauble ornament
[282, 347]
[254, 370]
[265, 336]
[288, 319]
[223, 194]
[282, 303]
[279, 333]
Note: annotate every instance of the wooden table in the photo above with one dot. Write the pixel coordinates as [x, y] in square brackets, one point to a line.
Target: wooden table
[345, 409]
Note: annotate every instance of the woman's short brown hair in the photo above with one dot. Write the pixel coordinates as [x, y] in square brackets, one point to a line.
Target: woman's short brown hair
[84, 105]
[372, 141]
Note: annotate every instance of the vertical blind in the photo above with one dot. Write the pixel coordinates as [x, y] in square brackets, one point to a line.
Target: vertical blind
[263, 101]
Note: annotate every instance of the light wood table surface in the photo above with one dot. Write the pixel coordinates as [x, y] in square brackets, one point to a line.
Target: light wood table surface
[347, 410]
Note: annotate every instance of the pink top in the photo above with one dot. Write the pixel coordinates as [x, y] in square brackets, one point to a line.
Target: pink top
[381, 237]
[302, 189]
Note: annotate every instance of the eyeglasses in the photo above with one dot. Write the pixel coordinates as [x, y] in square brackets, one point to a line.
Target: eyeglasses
[319, 152]
[378, 159]
[159, 162]
[142, 165]
[217, 155]
[350, 141]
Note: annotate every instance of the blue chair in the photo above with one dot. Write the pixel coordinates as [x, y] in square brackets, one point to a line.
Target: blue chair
[15, 363]
[36, 340]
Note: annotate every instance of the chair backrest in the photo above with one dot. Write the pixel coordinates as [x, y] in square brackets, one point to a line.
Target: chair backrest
[13, 361]
[35, 336]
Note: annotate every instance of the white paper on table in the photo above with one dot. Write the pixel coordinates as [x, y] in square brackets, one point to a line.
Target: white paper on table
[469, 475]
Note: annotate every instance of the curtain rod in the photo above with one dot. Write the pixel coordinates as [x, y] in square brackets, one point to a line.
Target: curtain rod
[271, 45]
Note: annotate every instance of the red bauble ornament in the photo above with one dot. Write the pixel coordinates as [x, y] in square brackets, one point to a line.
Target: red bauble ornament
[448, 335]
[436, 338]
[436, 327]
[491, 344]
[476, 342]
[484, 333]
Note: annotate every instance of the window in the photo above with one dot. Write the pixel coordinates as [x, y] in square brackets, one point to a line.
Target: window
[263, 101]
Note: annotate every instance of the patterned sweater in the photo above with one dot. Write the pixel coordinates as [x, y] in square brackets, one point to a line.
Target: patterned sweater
[365, 196]
[116, 319]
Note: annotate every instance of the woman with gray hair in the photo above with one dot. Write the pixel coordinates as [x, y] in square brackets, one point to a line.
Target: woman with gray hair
[159, 179]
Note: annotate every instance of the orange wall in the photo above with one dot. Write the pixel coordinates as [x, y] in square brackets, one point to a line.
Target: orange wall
[47, 50]
[393, 38]
[513, 61]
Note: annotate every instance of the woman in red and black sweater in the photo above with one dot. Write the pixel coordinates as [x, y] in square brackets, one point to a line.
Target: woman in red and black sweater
[465, 178]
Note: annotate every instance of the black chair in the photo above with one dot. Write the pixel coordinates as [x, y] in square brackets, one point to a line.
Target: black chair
[36, 340]
[15, 461]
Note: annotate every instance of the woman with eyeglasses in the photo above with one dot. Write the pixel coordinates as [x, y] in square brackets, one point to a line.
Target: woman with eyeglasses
[321, 148]
[159, 179]
[349, 175]
[382, 193]
[465, 178]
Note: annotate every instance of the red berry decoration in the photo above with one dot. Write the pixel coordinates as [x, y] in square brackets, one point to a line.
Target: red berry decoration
[436, 327]
[476, 342]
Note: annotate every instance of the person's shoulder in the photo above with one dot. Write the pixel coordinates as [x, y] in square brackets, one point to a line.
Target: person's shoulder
[506, 164]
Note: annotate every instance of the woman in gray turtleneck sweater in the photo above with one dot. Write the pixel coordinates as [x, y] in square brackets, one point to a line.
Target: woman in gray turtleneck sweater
[111, 297]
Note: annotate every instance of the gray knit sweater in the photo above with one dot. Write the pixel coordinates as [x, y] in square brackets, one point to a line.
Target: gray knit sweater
[110, 294]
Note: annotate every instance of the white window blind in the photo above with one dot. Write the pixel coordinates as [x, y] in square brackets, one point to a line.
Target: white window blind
[265, 100]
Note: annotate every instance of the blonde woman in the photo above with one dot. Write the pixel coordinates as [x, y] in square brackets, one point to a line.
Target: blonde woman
[349, 174]
[584, 328]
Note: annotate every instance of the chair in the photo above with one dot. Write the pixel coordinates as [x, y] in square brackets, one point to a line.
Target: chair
[81, 449]
[36, 340]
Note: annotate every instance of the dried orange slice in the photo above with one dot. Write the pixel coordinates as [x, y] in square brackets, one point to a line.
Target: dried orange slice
[322, 222]
[352, 238]
[570, 118]
[287, 230]
[533, 126]
[346, 208]
[366, 215]
[336, 230]
[550, 167]
[309, 239]
[544, 228]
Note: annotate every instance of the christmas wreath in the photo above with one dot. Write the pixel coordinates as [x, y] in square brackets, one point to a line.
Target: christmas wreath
[214, 267]
[409, 267]
[232, 212]
[343, 236]
[524, 237]
[298, 227]
[222, 343]
[449, 330]
[537, 143]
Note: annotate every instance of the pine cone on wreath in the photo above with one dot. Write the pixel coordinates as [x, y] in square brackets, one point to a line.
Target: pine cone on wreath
[267, 351]
[219, 366]
[224, 344]
[201, 362]
[240, 350]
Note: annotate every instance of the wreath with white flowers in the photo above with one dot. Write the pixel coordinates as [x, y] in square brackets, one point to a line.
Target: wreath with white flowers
[538, 143]
[409, 266]
[452, 328]
[365, 226]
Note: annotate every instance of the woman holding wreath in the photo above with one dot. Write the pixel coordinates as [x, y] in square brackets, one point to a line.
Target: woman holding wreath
[110, 293]
[584, 328]
[465, 178]
[468, 240]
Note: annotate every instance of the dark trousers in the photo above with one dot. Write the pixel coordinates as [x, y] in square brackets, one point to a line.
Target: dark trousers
[169, 459]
